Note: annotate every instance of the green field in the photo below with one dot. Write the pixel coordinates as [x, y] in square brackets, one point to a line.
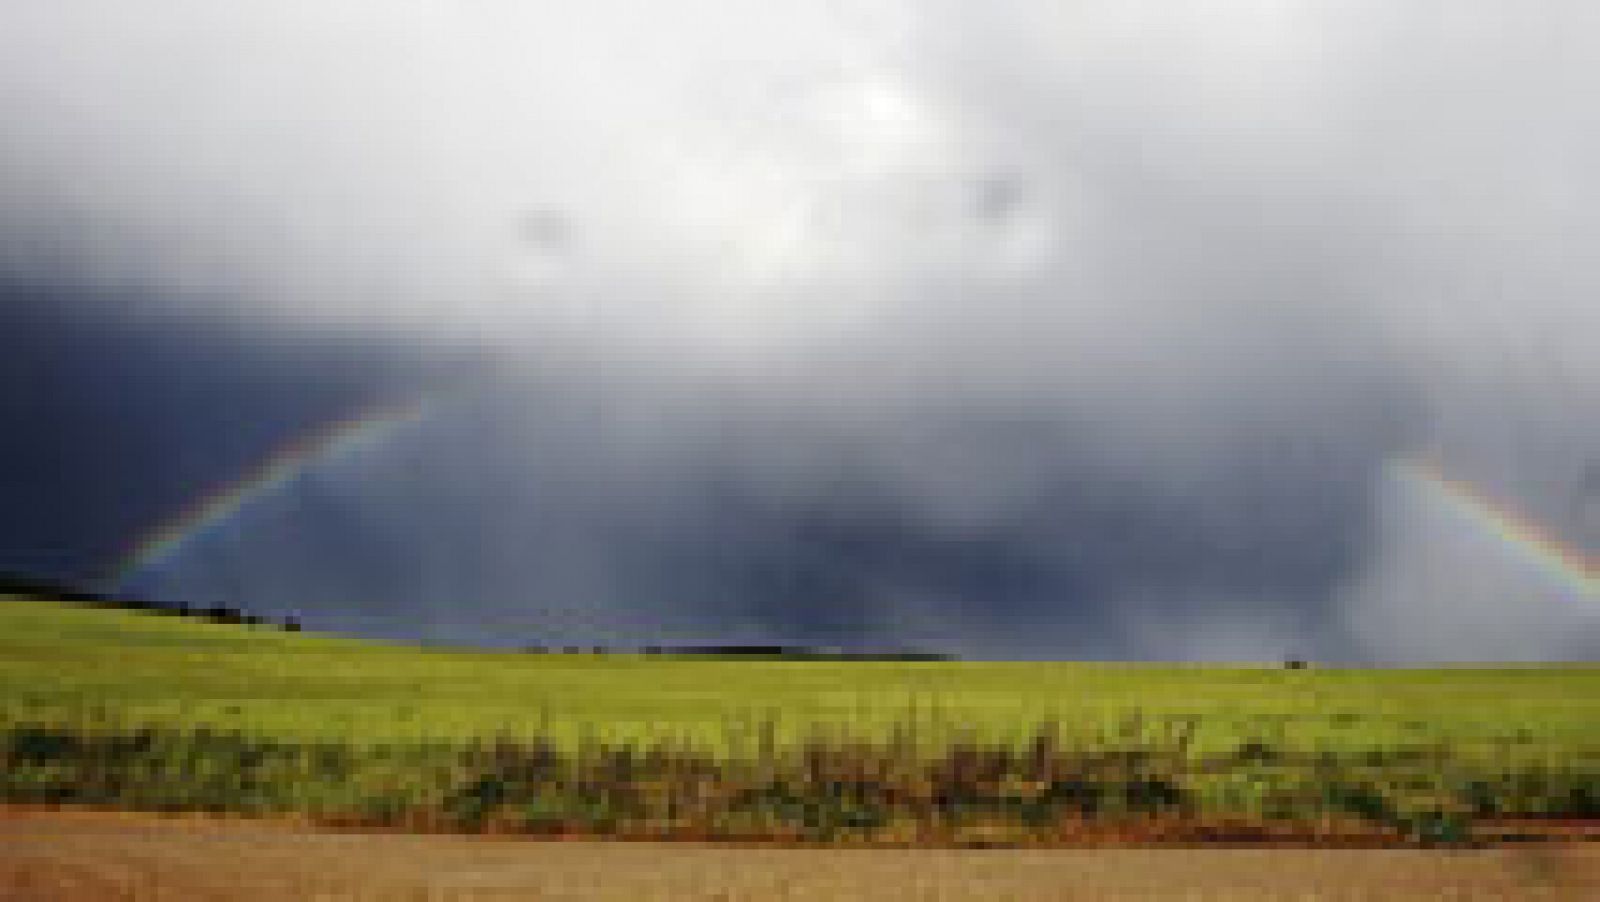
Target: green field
[1525, 738]
[83, 665]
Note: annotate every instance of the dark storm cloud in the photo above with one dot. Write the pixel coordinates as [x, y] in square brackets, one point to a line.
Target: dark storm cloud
[113, 421]
[1080, 329]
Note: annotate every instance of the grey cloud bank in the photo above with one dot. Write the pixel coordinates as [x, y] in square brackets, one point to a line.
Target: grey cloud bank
[1083, 329]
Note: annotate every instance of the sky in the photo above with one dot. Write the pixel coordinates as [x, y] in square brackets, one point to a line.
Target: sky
[1224, 330]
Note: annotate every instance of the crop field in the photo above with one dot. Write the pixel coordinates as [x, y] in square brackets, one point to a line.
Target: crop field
[140, 710]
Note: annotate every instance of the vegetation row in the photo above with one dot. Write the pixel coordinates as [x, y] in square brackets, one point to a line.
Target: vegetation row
[829, 788]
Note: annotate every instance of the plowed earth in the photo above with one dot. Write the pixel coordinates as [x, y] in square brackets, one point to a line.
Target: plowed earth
[48, 854]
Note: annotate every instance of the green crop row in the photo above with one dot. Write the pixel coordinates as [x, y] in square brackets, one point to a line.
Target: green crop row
[825, 788]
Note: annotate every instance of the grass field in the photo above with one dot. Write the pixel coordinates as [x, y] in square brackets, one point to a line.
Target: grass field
[1249, 740]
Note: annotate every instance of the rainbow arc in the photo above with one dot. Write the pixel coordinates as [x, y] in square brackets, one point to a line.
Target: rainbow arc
[1565, 564]
[212, 511]
[1569, 566]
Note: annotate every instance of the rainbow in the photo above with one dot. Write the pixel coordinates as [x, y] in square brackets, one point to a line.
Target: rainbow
[1570, 567]
[279, 470]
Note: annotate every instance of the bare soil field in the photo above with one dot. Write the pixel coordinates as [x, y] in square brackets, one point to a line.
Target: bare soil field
[65, 855]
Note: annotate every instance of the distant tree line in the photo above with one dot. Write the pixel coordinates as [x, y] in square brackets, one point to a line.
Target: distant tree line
[752, 652]
[32, 587]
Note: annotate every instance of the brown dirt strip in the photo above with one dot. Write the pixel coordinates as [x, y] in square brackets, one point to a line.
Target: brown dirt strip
[60, 855]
